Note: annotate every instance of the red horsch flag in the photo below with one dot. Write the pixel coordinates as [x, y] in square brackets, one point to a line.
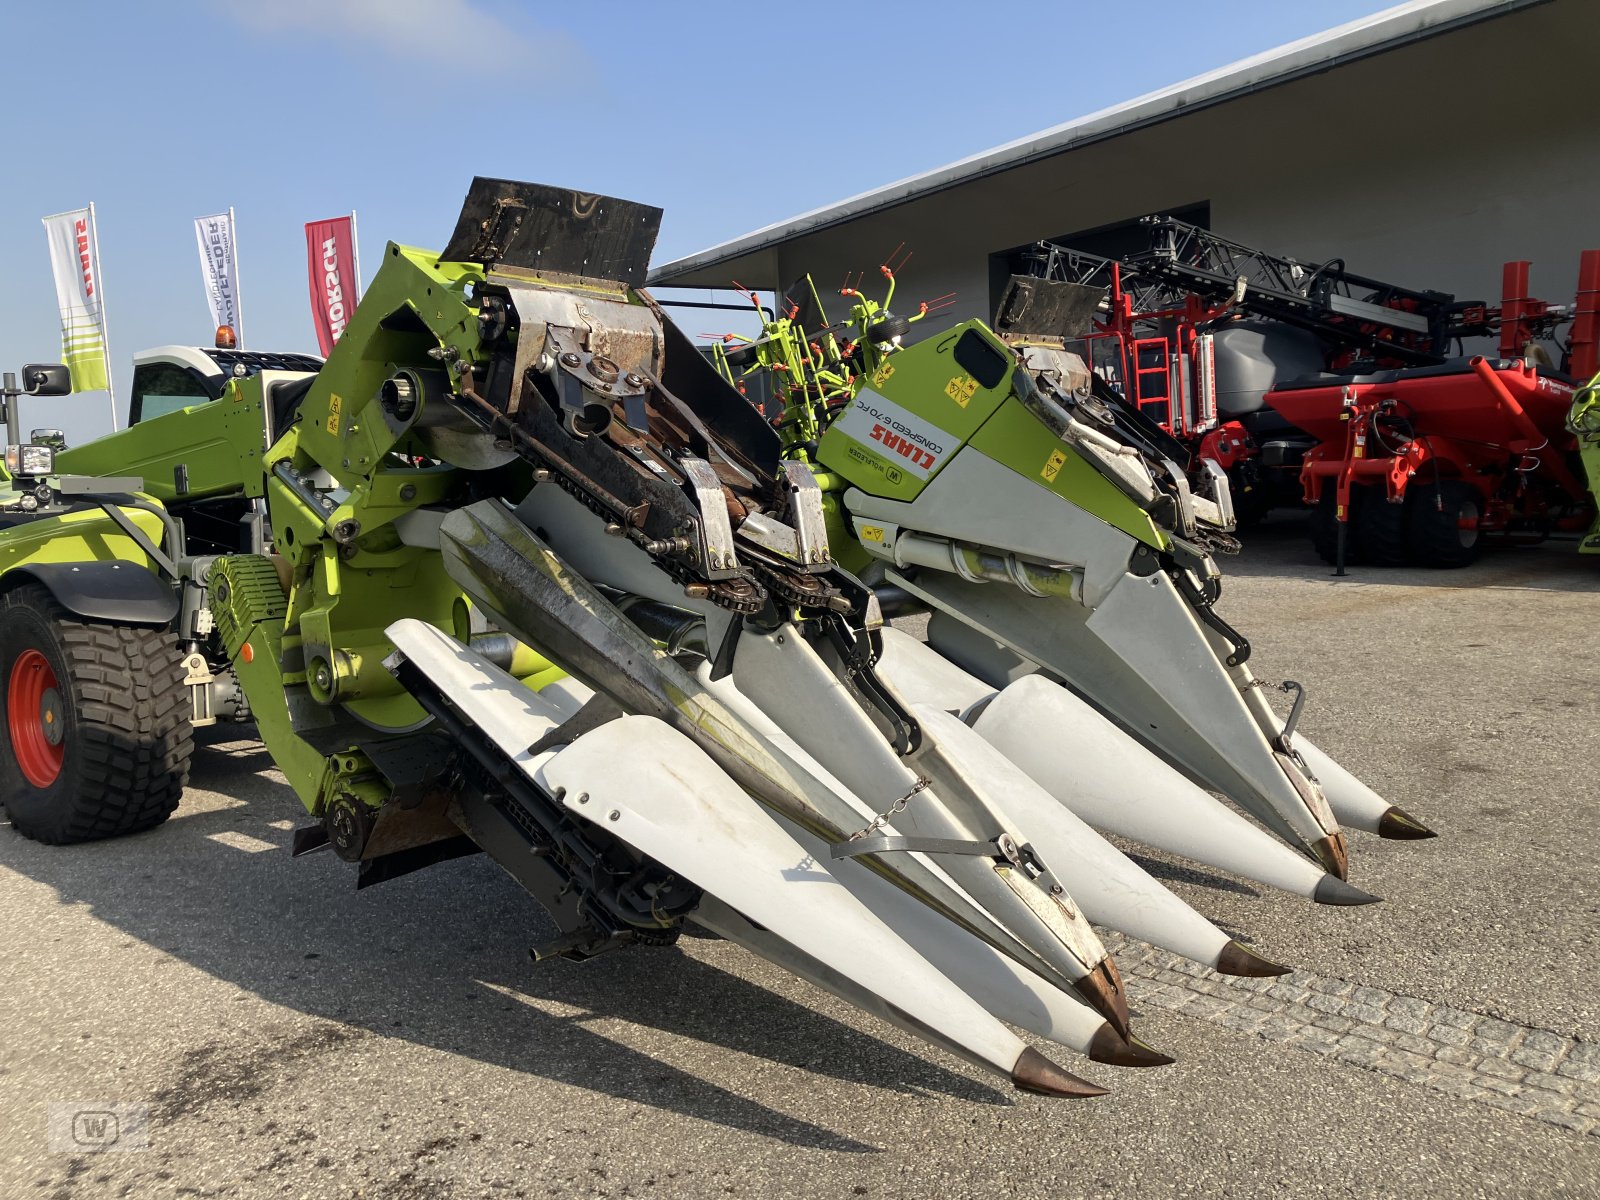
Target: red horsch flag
[335, 269]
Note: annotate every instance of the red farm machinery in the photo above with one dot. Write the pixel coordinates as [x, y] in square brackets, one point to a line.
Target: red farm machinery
[1304, 380]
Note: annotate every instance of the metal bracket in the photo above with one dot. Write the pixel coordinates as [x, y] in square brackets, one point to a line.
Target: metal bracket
[1221, 492]
[197, 678]
[139, 538]
[806, 514]
[1029, 863]
[96, 485]
[586, 379]
[716, 531]
[1180, 483]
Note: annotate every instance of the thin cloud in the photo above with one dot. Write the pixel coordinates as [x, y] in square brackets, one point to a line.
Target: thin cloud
[403, 27]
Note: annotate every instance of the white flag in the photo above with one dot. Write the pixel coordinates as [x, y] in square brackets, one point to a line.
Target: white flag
[75, 262]
[219, 263]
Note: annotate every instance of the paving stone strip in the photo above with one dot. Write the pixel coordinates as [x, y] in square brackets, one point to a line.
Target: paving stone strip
[1516, 1068]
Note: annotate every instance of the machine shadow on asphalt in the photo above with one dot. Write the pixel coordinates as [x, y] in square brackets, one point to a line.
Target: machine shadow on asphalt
[442, 961]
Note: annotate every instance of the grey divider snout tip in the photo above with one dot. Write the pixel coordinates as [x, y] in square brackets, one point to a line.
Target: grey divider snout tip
[1110, 1047]
[1234, 959]
[1333, 890]
[1036, 1073]
[1400, 825]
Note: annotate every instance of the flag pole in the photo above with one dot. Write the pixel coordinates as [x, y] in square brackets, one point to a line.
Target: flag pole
[105, 320]
[238, 287]
[355, 251]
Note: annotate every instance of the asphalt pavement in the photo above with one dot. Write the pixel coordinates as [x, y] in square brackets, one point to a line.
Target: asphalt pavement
[260, 1029]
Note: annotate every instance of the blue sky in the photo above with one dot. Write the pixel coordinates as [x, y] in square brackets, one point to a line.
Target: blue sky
[728, 116]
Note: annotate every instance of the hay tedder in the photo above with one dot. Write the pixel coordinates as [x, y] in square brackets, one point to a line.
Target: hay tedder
[1305, 380]
[517, 571]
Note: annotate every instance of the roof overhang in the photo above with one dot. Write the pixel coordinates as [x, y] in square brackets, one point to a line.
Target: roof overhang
[1364, 38]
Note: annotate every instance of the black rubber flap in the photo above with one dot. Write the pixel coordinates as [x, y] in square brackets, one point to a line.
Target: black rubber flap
[543, 228]
[1046, 308]
[743, 433]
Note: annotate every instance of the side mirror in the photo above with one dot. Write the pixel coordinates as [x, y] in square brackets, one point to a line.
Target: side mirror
[46, 379]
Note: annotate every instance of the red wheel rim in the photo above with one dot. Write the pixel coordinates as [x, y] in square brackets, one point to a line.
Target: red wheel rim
[36, 717]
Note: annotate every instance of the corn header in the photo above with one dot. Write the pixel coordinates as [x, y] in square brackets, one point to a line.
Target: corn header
[518, 571]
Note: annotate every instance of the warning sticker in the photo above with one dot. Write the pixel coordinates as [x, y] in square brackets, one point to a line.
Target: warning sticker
[899, 436]
[1053, 465]
[883, 375]
[872, 533]
[335, 406]
[961, 389]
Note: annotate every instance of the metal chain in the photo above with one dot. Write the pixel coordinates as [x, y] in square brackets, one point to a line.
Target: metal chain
[890, 813]
[1216, 541]
[1288, 685]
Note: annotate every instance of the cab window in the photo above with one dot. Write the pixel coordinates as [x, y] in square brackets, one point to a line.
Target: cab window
[162, 388]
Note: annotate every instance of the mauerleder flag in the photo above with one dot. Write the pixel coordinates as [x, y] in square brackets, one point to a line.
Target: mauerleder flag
[219, 264]
[75, 262]
[335, 269]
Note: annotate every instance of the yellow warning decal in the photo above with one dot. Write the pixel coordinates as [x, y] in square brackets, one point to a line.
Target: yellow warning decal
[872, 533]
[1052, 466]
[335, 406]
[882, 377]
[961, 389]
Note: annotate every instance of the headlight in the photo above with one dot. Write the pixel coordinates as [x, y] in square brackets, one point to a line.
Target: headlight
[29, 462]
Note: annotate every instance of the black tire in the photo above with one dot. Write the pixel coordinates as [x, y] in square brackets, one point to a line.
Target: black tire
[123, 712]
[1442, 523]
[741, 357]
[1380, 530]
[1324, 525]
[888, 328]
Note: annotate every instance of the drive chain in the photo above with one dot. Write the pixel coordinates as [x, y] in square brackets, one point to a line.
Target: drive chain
[803, 591]
[741, 594]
